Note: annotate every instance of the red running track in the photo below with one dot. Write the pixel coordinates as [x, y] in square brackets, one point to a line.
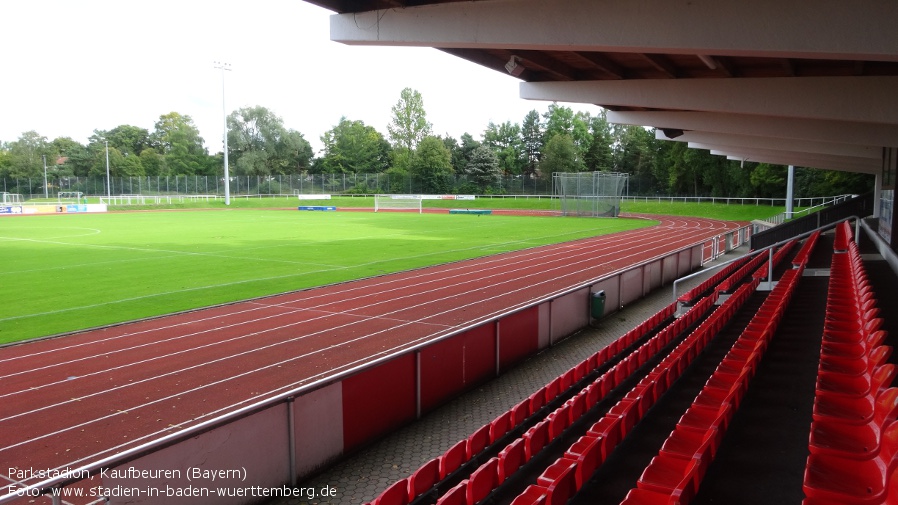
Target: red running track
[69, 401]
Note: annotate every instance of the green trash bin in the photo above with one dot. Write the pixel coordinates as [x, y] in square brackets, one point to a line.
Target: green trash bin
[597, 304]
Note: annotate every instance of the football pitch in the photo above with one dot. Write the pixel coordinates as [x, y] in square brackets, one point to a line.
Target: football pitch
[65, 273]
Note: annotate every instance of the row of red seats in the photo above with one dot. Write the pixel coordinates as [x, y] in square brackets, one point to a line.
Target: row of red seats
[484, 479]
[844, 235]
[434, 471]
[674, 476]
[732, 281]
[690, 297]
[804, 254]
[778, 256]
[568, 474]
[854, 434]
[563, 478]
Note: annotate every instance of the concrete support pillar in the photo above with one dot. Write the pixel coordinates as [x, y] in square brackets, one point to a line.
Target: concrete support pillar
[790, 191]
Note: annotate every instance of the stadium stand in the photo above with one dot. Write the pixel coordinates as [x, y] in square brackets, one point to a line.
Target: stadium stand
[575, 436]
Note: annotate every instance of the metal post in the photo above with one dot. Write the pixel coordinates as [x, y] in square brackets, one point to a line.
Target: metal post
[418, 384]
[498, 349]
[224, 111]
[790, 191]
[108, 179]
[46, 194]
[291, 439]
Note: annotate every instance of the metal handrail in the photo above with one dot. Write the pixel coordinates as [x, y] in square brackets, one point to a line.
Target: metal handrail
[770, 248]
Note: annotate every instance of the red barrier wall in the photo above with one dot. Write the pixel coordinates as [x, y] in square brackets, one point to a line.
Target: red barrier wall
[378, 400]
[518, 337]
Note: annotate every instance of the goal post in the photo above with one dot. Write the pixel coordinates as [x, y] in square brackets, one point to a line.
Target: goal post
[398, 202]
[11, 198]
[66, 196]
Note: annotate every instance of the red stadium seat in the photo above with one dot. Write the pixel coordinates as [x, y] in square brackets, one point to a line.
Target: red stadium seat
[628, 410]
[703, 418]
[483, 481]
[587, 452]
[842, 480]
[520, 413]
[533, 495]
[578, 406]
[609, 428]
[455, 496]
[396, 494]
[424, 478]
[536, 438]
[537, 400]
[841, 408]
[688, 443]
[562, 485]
[478, 441]
[453, 458]
[845, 440]
[594, 393]
[674, 475]
[511, 458]
[553, 388]
[567, 380]
[500, 426]
[559, 420]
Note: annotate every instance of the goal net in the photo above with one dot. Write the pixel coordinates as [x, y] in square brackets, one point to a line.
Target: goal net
[397, 202]
[10, 198]
[69, 196]
[596, 194]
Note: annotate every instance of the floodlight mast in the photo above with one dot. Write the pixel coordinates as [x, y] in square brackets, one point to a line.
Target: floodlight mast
[224, 111]
[108, 179]
[46, 190]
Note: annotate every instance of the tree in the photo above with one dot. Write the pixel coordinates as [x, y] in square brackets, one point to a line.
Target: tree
[432, 165]
[72, 158]
[259, 144]
[153, 162]
[5, 161]
[532, 142]
[351, 146]
[130, 140]
[484, 168]
[634, 153]
[25, 156]
[769, 180]
[178, 141]
[409, 124]
[505, 140]
[599, 156]
[559, 119]
[560, 155]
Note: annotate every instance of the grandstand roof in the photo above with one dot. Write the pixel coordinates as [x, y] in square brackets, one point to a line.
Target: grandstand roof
[731, 76]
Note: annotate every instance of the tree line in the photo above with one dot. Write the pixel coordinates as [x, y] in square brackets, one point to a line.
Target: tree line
[559, 140]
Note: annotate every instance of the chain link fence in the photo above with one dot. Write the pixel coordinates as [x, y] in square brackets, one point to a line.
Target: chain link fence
[274, 185]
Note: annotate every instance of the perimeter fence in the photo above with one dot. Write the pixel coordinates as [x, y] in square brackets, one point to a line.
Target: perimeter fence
[279, 185]
[341, 184]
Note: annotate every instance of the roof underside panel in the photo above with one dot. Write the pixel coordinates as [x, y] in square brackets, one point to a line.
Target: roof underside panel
[773, 46]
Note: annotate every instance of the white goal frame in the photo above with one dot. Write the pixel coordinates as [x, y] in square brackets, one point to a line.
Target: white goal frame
[69, 195]
[398, 202]
[11, 198]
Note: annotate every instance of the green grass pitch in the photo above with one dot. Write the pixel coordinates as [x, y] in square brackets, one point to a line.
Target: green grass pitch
[64, 273]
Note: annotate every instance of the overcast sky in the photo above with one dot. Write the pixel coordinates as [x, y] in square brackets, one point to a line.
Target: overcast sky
[71, 67]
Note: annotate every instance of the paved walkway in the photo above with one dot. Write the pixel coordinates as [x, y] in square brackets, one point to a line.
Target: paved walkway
[362, 476]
